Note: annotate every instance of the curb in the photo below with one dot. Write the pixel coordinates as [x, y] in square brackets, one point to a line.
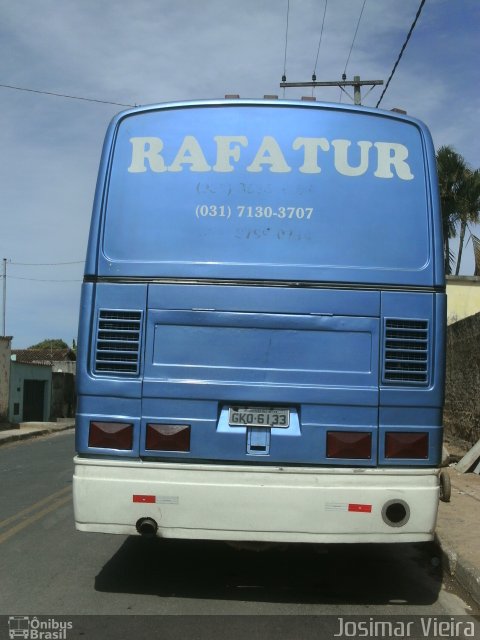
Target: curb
[465, 573]
[8, 437]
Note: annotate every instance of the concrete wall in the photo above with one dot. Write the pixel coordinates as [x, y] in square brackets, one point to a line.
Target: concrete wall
[463, 294]
[63, 395]
[462, 393]
[5, 351]
[18, 374]
[68, 366]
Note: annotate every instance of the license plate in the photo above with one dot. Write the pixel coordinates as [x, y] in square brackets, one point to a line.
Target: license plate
[259, 417]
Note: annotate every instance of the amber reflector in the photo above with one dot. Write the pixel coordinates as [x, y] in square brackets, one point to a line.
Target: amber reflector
[168, 437]
[110, 435]
[349, 444]
[406, 444]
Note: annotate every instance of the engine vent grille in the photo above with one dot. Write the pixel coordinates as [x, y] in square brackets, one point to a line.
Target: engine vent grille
[406, 352]
[117, 348]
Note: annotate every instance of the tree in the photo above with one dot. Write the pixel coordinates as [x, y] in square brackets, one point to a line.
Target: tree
[451, 168]
[469, 212]
[51, 343]
[460, 200]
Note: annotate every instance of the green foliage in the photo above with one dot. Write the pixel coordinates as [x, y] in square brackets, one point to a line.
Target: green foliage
[460, 200]
[51, 343]
[469, 210]
[451, 168]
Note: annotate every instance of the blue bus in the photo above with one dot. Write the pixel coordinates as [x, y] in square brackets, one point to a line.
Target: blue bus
[261, 343]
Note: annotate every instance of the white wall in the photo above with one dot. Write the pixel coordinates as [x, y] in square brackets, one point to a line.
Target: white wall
[463, 293]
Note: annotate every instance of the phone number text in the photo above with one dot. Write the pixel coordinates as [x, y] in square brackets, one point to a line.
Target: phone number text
[248, 211]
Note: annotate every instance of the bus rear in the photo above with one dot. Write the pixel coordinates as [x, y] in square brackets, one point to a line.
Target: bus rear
[261, 342]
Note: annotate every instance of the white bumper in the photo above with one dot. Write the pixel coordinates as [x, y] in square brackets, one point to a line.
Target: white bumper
[234, 502]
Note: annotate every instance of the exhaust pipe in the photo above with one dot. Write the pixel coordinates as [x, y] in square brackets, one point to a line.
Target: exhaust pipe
[396, 513]
[146, 527]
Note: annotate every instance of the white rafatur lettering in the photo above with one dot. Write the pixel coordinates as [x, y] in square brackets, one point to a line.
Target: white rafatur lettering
[386, 160]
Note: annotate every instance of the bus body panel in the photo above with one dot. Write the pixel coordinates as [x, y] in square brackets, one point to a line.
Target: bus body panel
[307, 156]
[205, 350]
[257, 503]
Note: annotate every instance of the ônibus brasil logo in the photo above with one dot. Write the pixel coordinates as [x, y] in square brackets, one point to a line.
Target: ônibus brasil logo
[32, 628]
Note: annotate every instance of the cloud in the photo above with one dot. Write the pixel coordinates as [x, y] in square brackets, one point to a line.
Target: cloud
[152, 51]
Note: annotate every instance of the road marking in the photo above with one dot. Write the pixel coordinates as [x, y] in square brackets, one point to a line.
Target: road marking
[53, 501]
[33, 507]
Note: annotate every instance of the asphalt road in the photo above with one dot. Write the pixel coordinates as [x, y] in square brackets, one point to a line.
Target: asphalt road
[49, 569]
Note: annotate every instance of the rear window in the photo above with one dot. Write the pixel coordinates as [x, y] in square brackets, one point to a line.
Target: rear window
[283, 192]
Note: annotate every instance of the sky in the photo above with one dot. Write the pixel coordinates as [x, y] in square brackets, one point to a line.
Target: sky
[152, 51]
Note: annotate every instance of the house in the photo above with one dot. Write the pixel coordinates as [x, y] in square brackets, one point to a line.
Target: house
[30, 392]
[5, 350]
[60, 360]
[42, 384]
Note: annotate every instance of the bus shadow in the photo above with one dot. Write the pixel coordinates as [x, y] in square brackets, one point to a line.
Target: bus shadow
[307, 574]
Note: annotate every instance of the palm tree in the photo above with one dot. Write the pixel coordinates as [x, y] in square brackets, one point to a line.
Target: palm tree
[451, 168]
[469, 210]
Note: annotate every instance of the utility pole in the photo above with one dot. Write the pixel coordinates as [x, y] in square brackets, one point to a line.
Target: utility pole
[356, 83]
[4, 296]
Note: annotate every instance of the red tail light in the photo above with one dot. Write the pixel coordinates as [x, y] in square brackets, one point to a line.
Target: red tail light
[406, 444]
[110, 435]
[168, 437]
[349, 444]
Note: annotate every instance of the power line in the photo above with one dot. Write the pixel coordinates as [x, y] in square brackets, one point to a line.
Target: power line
[357, 83]
[284, 77]
[4, 277]
[354, 36]
[344, 75]
[402, 50]
[45, 264]
[40, 279]
[314, 77]
[63, 95]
